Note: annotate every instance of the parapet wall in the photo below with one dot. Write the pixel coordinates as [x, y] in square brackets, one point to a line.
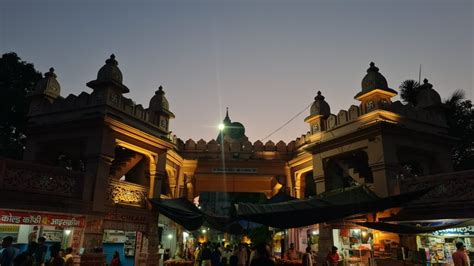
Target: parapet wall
[85, 101]
[235, 146]
[405, 111]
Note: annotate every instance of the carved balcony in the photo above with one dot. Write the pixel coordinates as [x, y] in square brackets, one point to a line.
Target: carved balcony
[25, 177]
[449, 188]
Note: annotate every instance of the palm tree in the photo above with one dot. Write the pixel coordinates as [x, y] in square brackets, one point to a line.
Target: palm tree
[409, 90]
[460, 119]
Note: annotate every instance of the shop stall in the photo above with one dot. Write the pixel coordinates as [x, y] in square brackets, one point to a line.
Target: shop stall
[362, 246]
[26, 227]
[437, 247]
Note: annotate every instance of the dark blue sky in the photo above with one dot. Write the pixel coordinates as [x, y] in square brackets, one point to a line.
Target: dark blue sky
[264, 59]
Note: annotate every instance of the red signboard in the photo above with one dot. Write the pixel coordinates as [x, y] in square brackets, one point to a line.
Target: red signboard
[36, 218]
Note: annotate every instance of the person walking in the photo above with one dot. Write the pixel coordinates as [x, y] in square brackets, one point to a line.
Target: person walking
[291, 253]
[197, 255]
[460, 257]
[242, 255]
[68, 257]
[40, 252]
[56, 259]
[308, 257]
[206, 255]
[332, 258]
[262, 256]
[9, 252]
[115, 259]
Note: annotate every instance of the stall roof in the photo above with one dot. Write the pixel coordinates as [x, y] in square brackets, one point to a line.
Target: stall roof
[287, 212]
[331, 206]
[412, 229]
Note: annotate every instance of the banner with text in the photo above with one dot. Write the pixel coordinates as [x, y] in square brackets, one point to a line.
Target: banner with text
[36, 218]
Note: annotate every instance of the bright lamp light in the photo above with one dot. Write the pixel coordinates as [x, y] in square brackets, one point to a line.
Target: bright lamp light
[221, 126]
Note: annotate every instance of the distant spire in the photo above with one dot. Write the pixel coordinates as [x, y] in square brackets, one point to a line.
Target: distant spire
[227, 119]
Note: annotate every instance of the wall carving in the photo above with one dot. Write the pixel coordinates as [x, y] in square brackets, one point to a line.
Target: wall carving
[23, 177]
[126, 193]
[453, 187]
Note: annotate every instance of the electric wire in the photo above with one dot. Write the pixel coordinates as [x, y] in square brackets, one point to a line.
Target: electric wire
[289, 121]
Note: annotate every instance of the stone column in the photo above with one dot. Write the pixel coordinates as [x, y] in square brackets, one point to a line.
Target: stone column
[289, 182]
[318, 174]
[160, 174]
[96, 180]
[153, 258]
[325, 242]
[92, 241]
[190, 187]
[384, 163]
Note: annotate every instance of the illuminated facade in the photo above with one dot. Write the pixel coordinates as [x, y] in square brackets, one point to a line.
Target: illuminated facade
[100, 156]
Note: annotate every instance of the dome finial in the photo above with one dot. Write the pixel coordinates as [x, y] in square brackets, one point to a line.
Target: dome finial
[425, 81]
[160, 90]
[50, 73]
[111, 60]
[372, 68]
[319, 97]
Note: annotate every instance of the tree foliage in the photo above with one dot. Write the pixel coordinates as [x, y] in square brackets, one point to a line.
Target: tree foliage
[460, 118]
[260, 235]
[409, 91]
[17, 79]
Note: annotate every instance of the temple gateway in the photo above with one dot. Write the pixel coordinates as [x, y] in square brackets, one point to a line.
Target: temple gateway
[93, 161]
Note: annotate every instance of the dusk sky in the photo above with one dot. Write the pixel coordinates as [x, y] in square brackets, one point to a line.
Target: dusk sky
[265, 60]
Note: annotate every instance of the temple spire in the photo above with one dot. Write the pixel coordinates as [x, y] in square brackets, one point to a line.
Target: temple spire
[227, 119]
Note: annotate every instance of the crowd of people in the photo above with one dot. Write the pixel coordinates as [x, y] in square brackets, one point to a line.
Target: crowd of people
[35, 254]
[216, 254]
[209, 254]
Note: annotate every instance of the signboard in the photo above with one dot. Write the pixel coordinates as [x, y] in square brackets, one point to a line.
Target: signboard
[234, 170]
[35, 218]
[468, 230]
[124, 217]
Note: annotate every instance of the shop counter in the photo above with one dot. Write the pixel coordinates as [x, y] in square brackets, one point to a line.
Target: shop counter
[178, 263]
[289, 262]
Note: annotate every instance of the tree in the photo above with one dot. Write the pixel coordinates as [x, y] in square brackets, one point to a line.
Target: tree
[17, 79]
[409, 90]
[260, 235]
[460, 118]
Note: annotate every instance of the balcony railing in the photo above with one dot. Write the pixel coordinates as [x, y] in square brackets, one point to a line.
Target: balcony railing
[19, 176]
[126, 193]
[449, 187]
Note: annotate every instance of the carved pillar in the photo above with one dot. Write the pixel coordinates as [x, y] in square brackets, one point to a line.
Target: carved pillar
[318, 173]
[190, 187]
[153, 257]
[160, 174]
[289, 182]
[92, 242]
[384, 164]
[98, 158]
[325, 241]
[96, 180]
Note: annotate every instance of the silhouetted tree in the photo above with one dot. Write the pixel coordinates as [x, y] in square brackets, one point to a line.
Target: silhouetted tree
[460, 119]
[409, 90]
[17, 79]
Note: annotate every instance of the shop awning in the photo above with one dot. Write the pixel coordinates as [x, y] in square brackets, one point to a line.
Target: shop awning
[331, 206]
[411, 229]
[191, 218]
[181, 211]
